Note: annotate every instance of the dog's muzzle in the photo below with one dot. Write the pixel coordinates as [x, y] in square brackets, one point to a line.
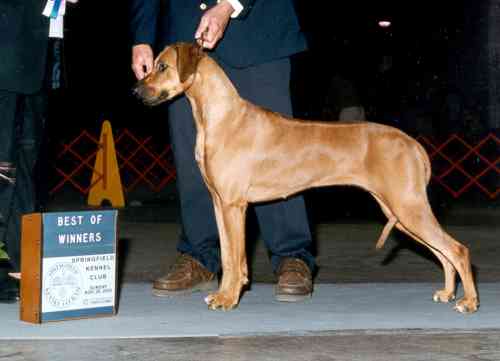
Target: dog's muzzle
[147, 95]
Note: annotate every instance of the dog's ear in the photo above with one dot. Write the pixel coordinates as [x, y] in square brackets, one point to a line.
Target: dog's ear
[188, 57]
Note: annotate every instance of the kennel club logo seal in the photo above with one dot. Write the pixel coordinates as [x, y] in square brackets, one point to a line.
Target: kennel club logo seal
[63, 285]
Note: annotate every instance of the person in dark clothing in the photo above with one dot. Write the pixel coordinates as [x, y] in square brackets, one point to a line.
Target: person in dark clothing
[252, 40]
[24, 39]
[24, 48]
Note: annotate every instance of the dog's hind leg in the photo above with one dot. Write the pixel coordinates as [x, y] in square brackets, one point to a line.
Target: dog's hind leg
[448, 293]
[417, 220]
[231, 224]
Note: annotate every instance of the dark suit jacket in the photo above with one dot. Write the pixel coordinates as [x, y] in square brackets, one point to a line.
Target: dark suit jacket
[264, 31]
[23, 45]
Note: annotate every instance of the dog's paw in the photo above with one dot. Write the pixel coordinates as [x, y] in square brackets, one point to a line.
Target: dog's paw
[465, 305]
[443, 296]
[221, 300]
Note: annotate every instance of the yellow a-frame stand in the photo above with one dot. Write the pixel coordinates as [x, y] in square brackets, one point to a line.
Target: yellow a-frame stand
[106, 183]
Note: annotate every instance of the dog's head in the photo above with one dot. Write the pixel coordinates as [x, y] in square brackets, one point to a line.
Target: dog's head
[173, 73]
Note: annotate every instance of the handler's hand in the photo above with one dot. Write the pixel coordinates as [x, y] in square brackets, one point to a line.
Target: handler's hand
[213, 24]
[15, 275]
[142, 60]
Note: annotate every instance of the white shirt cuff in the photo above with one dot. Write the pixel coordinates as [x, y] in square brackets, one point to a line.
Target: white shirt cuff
[238, 8]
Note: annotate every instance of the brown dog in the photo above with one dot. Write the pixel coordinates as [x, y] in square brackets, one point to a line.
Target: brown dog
[249, 154]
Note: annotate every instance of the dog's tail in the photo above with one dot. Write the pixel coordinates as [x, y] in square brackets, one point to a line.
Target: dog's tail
[385, 232]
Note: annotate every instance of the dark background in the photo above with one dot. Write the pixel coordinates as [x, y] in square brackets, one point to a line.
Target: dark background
[427, 44]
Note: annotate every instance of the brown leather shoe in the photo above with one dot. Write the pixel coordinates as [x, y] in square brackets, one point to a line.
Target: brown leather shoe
[186, 276]
[294, 281]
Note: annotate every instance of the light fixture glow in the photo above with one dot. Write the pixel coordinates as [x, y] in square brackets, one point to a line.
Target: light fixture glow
[384, 23]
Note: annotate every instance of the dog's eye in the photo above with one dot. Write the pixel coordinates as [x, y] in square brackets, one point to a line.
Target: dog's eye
[162, 67]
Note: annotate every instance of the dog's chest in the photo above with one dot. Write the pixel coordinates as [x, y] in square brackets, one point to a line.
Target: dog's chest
[199, 155]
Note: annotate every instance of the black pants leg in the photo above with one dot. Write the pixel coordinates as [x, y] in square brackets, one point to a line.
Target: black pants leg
[22, 118]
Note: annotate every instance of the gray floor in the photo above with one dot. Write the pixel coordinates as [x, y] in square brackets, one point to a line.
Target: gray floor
[338, 346]
[373, 306]
[367, 306]
[345, 253]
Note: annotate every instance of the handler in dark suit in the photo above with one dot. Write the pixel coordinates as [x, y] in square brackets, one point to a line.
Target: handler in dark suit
[23, 49]
[254, 50]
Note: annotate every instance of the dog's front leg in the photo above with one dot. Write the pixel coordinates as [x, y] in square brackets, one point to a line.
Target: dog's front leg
[231, 223]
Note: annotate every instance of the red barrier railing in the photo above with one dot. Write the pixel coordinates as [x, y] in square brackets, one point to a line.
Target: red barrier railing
[458, 166]
[149, 166]
[473, 165]
[77, 162]
[140, 162]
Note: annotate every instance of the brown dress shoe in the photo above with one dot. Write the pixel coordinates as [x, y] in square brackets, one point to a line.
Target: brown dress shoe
[186, 276]
[294, 281]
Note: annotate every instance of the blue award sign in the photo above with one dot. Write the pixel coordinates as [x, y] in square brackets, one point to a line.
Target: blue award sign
[77, 267]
